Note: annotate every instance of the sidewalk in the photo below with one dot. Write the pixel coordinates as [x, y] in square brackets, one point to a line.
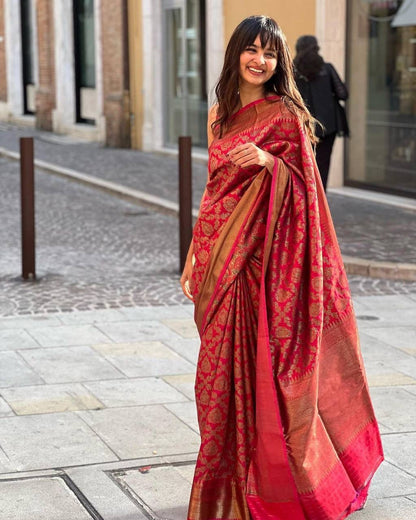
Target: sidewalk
[98, 415]
[370, 233]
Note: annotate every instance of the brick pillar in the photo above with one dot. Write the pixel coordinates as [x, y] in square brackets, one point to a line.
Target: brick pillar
[3, 76]
[45, 92]
[115, 72]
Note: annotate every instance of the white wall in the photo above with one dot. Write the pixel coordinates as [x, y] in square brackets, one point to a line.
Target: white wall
[215, 44]
[64, 114]
[13, 42]
[331, 16]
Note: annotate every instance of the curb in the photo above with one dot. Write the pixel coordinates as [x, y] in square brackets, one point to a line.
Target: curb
[135, 196]
[375, 269]
[353, 265]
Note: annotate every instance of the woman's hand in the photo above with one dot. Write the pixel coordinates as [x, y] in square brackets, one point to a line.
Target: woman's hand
[186, 278]
[248, 154]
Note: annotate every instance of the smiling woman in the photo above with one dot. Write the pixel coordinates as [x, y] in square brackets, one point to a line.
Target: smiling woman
[287, 426]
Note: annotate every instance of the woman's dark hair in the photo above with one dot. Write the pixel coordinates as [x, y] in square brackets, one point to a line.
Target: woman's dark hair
[308, 62]
[281, 83]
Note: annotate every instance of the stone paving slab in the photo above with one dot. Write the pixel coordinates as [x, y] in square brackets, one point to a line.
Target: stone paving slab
[108, 499]
[135, 392]
[186, 327]
[5, 409]
[123, 332]
[14, 371]
[16, 339]
[29, 400]
[390, 481]
[70, 364]
[68, 336]
[395, 408]
[185, 383]
[141, 431]
[403, 337]
[399, 450]
[188, 348]
[40, 499]
[24, 322]
[144, 358]
[186, 412]
[388, 509]
[163, 491]
[50, 441]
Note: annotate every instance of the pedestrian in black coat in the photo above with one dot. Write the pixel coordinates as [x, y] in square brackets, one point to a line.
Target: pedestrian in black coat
[321, 89]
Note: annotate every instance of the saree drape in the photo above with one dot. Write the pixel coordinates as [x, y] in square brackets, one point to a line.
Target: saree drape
[287, 427]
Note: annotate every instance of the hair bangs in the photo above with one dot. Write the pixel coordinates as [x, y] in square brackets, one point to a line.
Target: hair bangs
[269, 35]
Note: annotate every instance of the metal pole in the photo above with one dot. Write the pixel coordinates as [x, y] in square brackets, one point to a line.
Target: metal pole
[185, 197]
[27, 191]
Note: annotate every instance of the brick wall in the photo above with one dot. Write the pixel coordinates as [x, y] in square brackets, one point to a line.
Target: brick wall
[3, 78]
[45, 93]
[115, 72]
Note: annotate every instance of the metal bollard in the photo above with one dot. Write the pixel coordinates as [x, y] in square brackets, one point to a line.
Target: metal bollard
[185, 197]
[27, 192]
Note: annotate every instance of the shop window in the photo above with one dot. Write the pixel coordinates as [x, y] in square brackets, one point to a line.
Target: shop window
[84, 47]
[28, 56]
[185, 96]
[382, 106]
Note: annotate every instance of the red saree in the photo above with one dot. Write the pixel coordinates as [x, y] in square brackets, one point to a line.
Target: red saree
[287, 427]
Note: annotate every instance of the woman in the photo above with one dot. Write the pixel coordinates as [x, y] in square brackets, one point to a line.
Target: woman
[321, 89]
[287, 427]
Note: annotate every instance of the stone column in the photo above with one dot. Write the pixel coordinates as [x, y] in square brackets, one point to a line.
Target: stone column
[3, 81]
[114, 44]
[14, 72]
[331, 18]
[45, 98]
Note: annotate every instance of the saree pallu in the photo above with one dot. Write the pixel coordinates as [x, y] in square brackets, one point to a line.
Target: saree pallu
[287, 427]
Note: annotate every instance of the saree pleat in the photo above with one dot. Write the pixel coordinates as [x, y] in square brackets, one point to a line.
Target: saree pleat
[287, 426]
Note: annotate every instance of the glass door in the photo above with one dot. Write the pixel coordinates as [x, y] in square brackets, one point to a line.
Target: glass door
[185, 98]
[28, 56]
[382, 105]
[84, 46]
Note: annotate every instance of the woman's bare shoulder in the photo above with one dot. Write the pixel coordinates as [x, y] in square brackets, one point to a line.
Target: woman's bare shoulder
[212, 113]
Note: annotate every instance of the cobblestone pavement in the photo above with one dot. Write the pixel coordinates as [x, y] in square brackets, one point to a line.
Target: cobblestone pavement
[365, 229]
[93, 250]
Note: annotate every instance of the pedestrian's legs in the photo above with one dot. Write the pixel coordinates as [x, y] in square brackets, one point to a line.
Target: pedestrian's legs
[323, 156]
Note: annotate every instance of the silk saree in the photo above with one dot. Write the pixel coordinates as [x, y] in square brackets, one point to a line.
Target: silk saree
[287, 426]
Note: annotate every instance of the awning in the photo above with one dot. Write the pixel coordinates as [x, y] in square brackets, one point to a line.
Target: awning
[406, 15]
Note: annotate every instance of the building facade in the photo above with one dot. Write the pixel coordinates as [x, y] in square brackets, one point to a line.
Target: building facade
[139, 73]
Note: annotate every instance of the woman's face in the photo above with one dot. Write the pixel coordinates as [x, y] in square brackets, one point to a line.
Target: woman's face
[257, 65]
